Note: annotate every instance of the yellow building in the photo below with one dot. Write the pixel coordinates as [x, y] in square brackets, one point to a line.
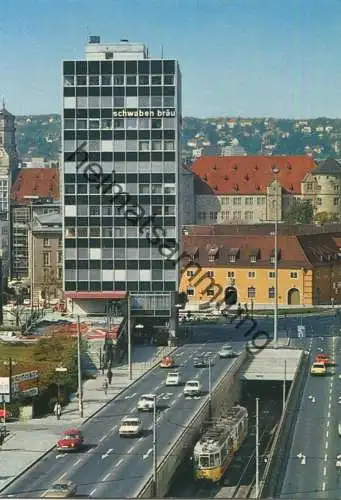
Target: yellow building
[309, 269]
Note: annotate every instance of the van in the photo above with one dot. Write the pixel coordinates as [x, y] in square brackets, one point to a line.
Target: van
[192, 388]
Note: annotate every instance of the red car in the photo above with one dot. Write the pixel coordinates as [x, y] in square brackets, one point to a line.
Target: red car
[71, 440]
[322, 358]
[167, 362]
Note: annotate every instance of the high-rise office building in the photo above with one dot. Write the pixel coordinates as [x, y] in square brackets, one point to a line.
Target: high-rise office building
[122, 114]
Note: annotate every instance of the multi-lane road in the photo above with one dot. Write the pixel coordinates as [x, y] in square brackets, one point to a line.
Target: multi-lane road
[311, 469]
[224, 331]
[114, 467]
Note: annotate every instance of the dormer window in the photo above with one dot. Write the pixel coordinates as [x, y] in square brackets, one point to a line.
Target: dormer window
[195, 253]
[233, 254]
[254, 255]
[213, 254]
[273, 254]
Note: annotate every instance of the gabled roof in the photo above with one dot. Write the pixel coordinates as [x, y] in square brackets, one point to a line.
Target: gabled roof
[319, 248]
[260, 229]
[328, 167]
[246, 175]
[42, 182]
[291, 251]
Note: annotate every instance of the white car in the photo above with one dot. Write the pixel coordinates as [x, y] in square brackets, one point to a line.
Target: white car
[192, 388]
[146, 402]
[173, 378]
[226, 352]
[130, 426]
[338, 461]
[339, 429]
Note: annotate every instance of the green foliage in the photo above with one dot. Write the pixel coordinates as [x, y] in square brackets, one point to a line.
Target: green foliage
[325, 218]
[301, 212]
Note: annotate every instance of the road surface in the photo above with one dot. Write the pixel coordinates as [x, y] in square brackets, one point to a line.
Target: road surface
[311, 470]
[114, 467]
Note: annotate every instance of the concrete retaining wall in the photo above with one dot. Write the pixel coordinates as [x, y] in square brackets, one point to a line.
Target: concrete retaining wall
[273, 475]
[225, 392]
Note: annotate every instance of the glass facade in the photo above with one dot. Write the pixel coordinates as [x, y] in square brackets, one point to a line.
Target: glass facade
[120, 190]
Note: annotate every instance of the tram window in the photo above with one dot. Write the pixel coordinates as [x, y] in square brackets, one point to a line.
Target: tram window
[205, 461]
[217, 459]
[196, 460]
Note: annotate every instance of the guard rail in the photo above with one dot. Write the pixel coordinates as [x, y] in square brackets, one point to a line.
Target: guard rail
[193, 429]
[277, 456]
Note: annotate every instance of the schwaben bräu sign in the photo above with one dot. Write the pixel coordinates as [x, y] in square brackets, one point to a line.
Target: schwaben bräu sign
[144, 113]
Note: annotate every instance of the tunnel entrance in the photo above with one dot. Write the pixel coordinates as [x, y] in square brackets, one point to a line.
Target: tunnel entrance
[241, 471]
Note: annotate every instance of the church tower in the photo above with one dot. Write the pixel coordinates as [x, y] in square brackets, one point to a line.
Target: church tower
[8, 159]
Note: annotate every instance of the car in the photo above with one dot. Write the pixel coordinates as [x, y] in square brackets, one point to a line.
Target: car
[226, 352]
[192, 388]
[146, 402]
[339, 429]
[64, 489]
[338, 461]
[173, 378]
[167, 362]
[318, 369]
[322, 358]
[130, 426]
[71, 440]
[202, 362]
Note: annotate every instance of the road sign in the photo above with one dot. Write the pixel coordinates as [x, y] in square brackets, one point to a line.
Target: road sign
[22, 377]
[31, 392]
[300, 331]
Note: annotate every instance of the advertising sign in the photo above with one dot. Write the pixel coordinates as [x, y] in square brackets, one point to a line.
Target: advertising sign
[144, 113]
[4, 390]
[34, 391]
[22, 377]
[4, 385]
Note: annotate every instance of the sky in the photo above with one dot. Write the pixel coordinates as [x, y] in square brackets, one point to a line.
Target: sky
[249, 58]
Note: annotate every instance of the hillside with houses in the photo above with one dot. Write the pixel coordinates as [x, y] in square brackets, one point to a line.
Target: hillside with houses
[39, 135]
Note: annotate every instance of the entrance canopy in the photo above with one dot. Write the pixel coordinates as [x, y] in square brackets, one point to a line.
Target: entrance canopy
[95, 295]
[273, 364]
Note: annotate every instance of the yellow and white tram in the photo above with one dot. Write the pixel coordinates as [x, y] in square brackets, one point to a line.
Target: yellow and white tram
[216, 448]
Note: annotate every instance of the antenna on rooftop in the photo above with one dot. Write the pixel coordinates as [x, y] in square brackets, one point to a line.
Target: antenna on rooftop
[161, 51]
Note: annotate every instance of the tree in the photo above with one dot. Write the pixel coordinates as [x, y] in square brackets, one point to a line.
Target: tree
[324, 217]
[301, 212]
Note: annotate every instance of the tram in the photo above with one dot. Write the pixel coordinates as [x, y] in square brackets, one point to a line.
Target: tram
[216, 448]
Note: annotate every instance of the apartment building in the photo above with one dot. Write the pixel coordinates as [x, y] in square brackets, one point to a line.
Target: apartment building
[46, 257]
[35, 192]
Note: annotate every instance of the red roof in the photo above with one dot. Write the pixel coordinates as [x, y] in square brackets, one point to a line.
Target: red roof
[42, 182]
[248, 175]
[304, 251]
[95, 295]
[291, 252]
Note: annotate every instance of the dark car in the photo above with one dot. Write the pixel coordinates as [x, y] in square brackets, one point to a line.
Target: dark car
[201, 362]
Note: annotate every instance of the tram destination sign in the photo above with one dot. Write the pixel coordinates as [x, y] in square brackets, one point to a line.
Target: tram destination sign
[144, 113]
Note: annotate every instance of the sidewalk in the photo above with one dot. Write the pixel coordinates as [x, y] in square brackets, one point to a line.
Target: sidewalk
[28, 441]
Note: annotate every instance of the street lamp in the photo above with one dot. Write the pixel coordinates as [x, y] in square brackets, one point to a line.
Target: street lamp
[60, 369]
[10, 364]
[275, 170]
[31, 198]
[154, 449]
[210, 385]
